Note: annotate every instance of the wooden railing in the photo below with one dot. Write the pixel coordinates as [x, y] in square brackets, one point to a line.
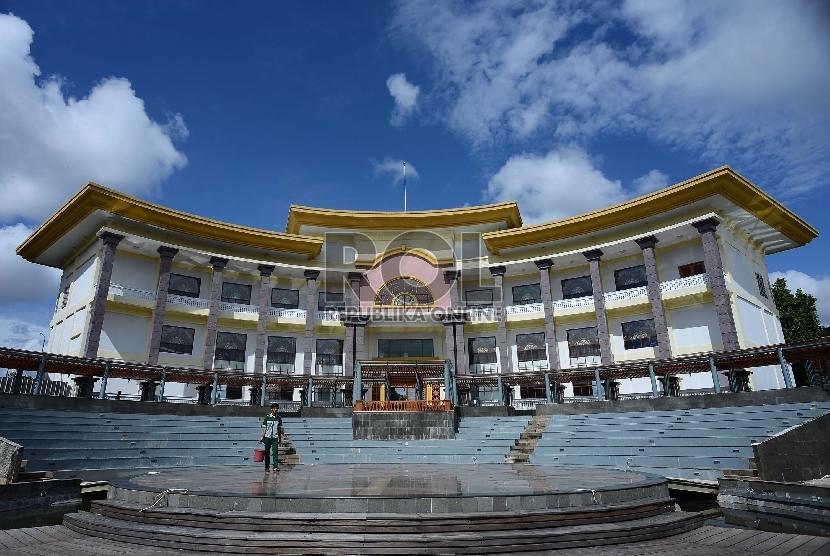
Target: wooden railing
[405, 405]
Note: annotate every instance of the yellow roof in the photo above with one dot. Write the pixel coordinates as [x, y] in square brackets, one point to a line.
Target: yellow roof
[507, 213]
[94, 197]
[723, 181]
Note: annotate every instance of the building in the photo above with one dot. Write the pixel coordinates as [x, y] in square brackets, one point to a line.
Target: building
[674, 272]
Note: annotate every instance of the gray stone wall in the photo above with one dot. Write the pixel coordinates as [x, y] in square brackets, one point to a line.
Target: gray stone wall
[11, 455]
[403, 425]
[798, 454]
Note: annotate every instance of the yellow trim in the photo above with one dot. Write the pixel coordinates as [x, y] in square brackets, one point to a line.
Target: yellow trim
[432, 293]
[94, 197]
[722, 181]
[405, 250]
[299, 216]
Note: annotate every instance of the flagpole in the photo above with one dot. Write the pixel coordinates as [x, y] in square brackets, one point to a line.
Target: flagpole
[404, 186]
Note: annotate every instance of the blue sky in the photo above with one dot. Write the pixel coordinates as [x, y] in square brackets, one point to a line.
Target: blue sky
[236, 110]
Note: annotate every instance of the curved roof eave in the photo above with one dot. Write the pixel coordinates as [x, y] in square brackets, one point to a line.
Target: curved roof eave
[93, 197]
[722, 181]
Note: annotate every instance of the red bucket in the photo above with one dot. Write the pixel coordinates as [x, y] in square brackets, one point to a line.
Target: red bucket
[259, 454]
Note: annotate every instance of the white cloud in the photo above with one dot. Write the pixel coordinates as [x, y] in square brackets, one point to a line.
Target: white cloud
[51, 145]
[562, 183]
[19, 334]
[652, 181]
[743, 83]
[394, 167]
[405, 95]
[20, 280]
[817, 287]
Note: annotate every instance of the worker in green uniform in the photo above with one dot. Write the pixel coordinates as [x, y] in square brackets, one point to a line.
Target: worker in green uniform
[271, 436]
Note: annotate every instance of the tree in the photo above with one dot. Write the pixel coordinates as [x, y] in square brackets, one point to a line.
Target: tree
[799, 321]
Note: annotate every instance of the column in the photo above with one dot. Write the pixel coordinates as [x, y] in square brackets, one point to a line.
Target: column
[348, 348]
[310, 311]
[213, 314]
[714, 270]
[265, 272]
[593, 257]
[451, 278]
[166, 254]
[544, 266]
[501, 333]
[353, 293]
[449, 340]
[102, 288]
[655, 297]
[360, 340]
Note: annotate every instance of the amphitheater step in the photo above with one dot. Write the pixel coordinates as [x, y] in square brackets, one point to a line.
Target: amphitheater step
[522, 449]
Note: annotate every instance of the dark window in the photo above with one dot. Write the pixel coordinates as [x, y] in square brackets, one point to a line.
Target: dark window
[639, 334]
[185, 286]
[531, 347]
[538, 392]
[479, 298]
[330, 301]
[282, 350]
[177, 339]
[583, 342]
[628, 278]
[577, 287]
[236, 293]
[406, 348]
[583, 390]
[691, 269]
[482, 350]
[329, 352]
[761, 287]
[524, 295]
[404, 292]
[233, 392]
[285, 299]
[230, 351]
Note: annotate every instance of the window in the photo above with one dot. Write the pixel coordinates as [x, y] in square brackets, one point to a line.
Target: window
[330, 301]
[233, 392]
[404, 292]
[529, 293]
[406, 348]
[329, 353]
[639, 334]
[285, 299]
[584, 390]
[185, 286]
[628, 278]
[230, 351]
[482, 351]
[761, 287]
[691, 269]
[583, 342]
[236, 293]
[281, 354]
[177, 339]
[577, 287]
[479, 298]
[531, 347]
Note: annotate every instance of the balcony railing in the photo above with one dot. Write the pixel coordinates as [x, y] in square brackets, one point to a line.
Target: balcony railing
[279, 368]
[622, 295]
[333, 316]
[573, 303]
[478, 314]
[681, 283]
[528, 403]
[195, 302]
[286, 313]
[238, 308]
[127, 291]
[484, 368]
[329, 370]
[524, 309]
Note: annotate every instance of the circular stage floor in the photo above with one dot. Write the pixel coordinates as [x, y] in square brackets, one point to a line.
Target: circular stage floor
[385, 480]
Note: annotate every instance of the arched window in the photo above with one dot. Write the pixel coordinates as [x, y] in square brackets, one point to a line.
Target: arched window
[404, 292]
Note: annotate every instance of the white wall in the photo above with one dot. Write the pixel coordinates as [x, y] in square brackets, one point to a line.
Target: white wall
[136, 272]
[695, 328]
[126, 335]
[670, 259]
[83, 281]
[741, 268]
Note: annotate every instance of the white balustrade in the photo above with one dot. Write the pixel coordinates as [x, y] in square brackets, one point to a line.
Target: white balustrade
[622, 295]
[287, 313]
[524, 309]
[329, 370]
[333, 316]
[478, 314]
[573, 303]
[528, 403]
[238, 308]
[681, 283]
[195, 302]
[127, 291]
[484, 368]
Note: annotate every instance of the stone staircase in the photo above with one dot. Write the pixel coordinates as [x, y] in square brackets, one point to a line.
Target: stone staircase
[520, 452]
[751, 473]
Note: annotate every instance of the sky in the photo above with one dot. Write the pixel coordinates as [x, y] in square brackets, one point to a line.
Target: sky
[236, 110]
